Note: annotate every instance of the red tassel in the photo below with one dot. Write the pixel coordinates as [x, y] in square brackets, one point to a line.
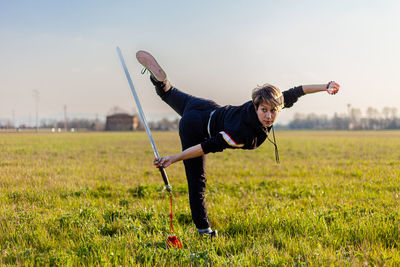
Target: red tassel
[172, 240]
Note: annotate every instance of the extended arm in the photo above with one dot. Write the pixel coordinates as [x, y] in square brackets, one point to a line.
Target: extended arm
[332, 88]
[189, 153]
[290, 96]
[313, 88]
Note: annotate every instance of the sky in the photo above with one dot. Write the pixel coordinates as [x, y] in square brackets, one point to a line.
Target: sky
[220, 50]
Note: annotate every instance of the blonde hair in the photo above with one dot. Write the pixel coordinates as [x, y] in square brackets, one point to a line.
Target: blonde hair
[269, 94]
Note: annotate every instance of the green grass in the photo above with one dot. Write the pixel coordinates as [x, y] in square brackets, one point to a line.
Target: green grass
[96, 199]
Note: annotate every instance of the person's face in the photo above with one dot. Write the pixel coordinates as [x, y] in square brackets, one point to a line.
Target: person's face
[266, 114]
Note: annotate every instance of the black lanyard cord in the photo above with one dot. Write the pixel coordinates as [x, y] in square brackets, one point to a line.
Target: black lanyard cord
[274, 143]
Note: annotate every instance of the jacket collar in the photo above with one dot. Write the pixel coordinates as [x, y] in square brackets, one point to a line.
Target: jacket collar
[252, 118]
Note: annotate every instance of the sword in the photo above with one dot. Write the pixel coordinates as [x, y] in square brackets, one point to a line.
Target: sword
[143, 118]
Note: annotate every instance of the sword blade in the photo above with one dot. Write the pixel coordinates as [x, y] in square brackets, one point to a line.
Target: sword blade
[139, 106]
[143, 118]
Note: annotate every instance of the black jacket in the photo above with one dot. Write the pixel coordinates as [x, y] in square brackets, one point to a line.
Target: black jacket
[239, 127]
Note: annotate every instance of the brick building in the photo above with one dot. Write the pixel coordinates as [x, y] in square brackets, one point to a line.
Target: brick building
[121, 122]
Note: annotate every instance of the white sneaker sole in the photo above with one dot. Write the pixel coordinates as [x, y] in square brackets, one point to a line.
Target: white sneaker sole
[149, 62]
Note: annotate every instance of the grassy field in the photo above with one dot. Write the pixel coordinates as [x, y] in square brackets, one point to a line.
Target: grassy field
[96, 199]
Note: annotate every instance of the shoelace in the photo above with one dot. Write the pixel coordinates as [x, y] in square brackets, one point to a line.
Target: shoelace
[144, 70]
[274, 143]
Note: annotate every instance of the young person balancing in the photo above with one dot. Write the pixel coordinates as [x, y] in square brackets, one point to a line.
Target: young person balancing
[207, 127]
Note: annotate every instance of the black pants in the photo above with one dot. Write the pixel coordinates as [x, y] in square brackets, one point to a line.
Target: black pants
[195, 113]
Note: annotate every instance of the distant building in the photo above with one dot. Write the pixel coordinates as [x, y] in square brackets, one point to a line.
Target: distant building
[121, 122]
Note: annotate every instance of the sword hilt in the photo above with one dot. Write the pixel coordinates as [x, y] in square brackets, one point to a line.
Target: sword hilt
[165, 178]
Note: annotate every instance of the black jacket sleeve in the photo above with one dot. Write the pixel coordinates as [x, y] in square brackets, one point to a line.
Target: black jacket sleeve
[213, 144]
[290, 96]
[219, 142]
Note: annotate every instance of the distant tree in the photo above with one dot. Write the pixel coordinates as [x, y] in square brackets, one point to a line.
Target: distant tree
[164, 125]
[372, 113]
[311, 121]
[386, 112]
[340, 122]
[373, 117]
[393, 113]
[355, 114]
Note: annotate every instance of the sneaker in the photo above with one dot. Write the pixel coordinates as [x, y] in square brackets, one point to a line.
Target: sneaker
[212, 234]
[149, 62]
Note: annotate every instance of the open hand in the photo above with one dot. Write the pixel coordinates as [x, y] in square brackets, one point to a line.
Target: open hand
[332, 88]
[164, 161]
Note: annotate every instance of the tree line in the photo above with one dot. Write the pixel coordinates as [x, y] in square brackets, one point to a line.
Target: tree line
[79, 124]
[354, 120]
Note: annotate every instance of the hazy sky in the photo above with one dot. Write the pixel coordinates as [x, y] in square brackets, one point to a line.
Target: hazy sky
[213, 49]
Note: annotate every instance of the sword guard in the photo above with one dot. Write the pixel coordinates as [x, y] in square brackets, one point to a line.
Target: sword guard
[168, 188]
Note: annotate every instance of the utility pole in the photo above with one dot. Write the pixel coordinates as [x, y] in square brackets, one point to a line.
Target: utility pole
[65, 119]
[36, 96]
[13, 118]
